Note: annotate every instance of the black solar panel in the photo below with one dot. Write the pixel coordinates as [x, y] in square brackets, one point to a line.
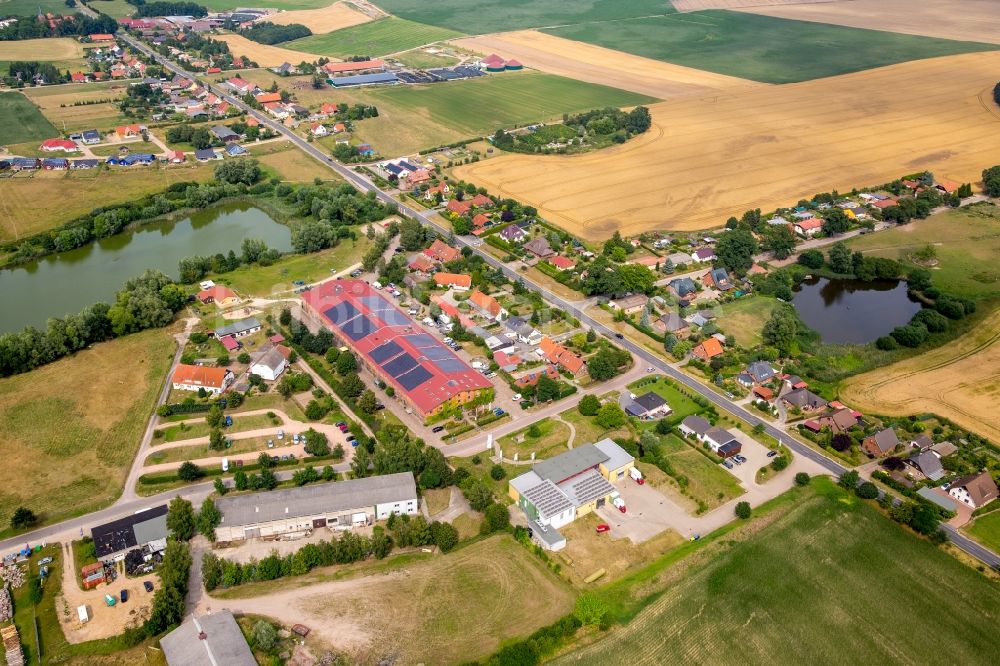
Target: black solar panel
[414, 378]
[358, 328]
[450, 365]
[420, 340]
[373, 302]
[399, 365]
[393, 317]
[385, 352]
[341, 312]
[436, 354]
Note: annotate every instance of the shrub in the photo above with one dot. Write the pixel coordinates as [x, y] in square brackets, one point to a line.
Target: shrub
[590, 609]
[264, 636]
[779, 463]
[589, 405]
[497, 472]
[867, 490]
[849, 479]
[188, 471]
[743, 510]
[23, 517]
[802, 479]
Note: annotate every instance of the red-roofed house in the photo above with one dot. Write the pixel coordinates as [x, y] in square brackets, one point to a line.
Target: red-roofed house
[130, 130]
[267, 97]
[213, 70]
[421, 263]
[507, 362]
[459, 207]
[395, 349]
[489, 305]
[220, 295]
[78, 77]
[418, 176]
[809, 227]
[450, 309]
[480, 221]
[327, 108]
[230, 343]
[456, 281]
[177, 156]
[239, 85]
[442, 252]
[562, 263]
[884, 203]
[482, 201]
[708, 349]
[556, 354]
[435, 189]
[531, 378]
[194, 377]
[53, 145]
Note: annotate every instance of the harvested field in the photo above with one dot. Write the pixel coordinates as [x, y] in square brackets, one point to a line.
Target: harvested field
[336, 16]
[719, 155]
[959, 381]
[56, 104]
[702, 5]
[445, 609]
[762, 48]
[71, 428]
[978, 20]
[262, 54]
[596, 64]
[795, 587]
[53, 48]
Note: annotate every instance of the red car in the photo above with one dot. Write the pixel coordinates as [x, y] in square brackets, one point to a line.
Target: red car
[622, 508]
[603, 528]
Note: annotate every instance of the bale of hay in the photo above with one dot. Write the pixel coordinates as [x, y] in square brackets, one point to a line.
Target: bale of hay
[594, 576]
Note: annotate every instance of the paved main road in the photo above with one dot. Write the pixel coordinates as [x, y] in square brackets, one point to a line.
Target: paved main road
[646, 357]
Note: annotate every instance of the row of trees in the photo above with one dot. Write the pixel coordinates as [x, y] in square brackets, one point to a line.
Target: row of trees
[166, 8]
[265, 32]
[77, 24]
[252, 251]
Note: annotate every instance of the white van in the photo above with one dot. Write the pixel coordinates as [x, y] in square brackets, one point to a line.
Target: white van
[225, 464]
[377, 284]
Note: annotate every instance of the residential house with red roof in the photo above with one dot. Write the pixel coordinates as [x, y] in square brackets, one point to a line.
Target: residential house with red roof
[53, 145]
[482, 201]
[221, 295]
[488, 305]
[433, 190]
[456, 281]
[442, 252]
[807, 228]
[558, 355]
[459, 207]
[267, 97]
[561, 262]
[421, 263]
[194, 377]
[708, 349]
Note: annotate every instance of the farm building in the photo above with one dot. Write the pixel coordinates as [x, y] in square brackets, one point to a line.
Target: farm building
[270, 365]
[559, 490]
[373, 65]
[426, 375]
[209, 640]
[362, 79]
[138, 530]
[195, 377]
[239, 328]
[339, 505]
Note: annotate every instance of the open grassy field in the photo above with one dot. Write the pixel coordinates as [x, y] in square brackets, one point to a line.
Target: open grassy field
[958, 381]
[263, 54]
[967, 243]
[26, 203]
[977, 20]
[725, 153]
[70, 429]
[761, 48]
[264, 281]
[56, 104]
[476, 17]
[22, 121]
[386, 35]
[53, 48]
[32, 7]
[707, 482]
[986, 530]
[551, 441]
[133, 146]
[744, 319]
[680, 404]
[793, 585]
[327, 19]
[287, 5]
[114, 8]
[605, 66]
[586, 430]
[422, 60]
[290, 163]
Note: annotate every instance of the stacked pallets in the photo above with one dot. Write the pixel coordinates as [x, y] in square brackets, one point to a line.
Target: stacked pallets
[6, 607]
[12, 646]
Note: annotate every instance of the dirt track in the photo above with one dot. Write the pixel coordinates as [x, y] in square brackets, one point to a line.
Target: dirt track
[595, 64]
[716, 155]
[967, 20]
[960, 381]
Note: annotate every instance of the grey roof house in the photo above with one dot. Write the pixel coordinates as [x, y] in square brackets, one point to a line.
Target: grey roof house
[804, 399]
[928, 463]
[209, 640]
[881, 442]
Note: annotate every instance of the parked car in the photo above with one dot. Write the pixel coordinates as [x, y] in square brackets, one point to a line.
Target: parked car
[619, 503]
[516, 397]
[740, 459]
[340, 424]
[437, 428]
[270, 443]
[727, 464]
[736, 459]
[284, 458]
[44, 561]
[771, 454]
[619, 336]
[148, 585]
[229, 421]
[602, 528]
[281, 434]
[124, 596]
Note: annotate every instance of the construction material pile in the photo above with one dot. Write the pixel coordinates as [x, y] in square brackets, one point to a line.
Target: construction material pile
[6, 607]
[12, 646]
[13, 575]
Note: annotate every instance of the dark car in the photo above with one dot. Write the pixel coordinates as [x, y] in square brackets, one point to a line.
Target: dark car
[771, 454]
[619, 336]
[437, 428]
[124, 596]
[148, 585]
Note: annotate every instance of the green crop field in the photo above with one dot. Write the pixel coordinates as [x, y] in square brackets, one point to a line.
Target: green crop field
[31, 7]
[415, 117]
[22, 121]
[114, 8]
[287, 5]
[388, 35]
[986, 529]
[762, 48]
[965, 242]
[824, 579]
[477, 17]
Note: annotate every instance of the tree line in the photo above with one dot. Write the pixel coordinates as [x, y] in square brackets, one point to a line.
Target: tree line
[164, 8]
[265, 32]
[77, 24]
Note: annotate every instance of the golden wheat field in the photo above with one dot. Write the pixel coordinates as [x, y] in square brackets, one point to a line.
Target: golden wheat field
[52, 48]
[709, 157]
[336, 16]
[263, 54]
[701, 5]
[595, 64]
[960, 381]
[967, 20]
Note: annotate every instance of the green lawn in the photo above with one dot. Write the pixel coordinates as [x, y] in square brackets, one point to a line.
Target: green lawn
[134, 147]
[419, 59]
[744, 319]
[967, 243]
[804, 587]
[986, 530]
[707, 481]
[114, 8]
[551, 441]
[180, 432]
[22, 121]
[587, 430]
[680, 404]
[762, 48]
[476, 17]
[32, 7]
[376, 38]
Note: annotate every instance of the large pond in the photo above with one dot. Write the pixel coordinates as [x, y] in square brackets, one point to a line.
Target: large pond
[851, 311]
[64, 283]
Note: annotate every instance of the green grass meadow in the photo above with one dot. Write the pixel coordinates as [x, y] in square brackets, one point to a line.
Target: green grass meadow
[823, 579]
[31, 7]
[388, 35]
[761, 48]
[477, 17]
[22, 121]
[986, 530]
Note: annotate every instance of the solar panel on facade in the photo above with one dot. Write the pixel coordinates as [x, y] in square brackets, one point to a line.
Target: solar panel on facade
[450, 365]
[359, 327]
[341, 312]
[399, 365]
[414, 378]
[385, 352]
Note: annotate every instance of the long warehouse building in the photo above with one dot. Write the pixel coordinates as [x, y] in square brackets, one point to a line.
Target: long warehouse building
[427, 375]
[339, 505]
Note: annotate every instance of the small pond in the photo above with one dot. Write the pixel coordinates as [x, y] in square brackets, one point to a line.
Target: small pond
[65, 283]
[852, 311]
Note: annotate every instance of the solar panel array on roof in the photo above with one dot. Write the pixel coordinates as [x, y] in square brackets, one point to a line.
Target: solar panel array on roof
[415, 378]
[373, 302]
[385, 352]
[393, 318]
[449, 365]
[400, 365]
[359, 327]
[422, 340]
[438, 354]
[342, 312]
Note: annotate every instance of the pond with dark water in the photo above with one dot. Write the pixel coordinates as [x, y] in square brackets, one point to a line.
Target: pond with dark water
[64, 283]
[852, 311]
